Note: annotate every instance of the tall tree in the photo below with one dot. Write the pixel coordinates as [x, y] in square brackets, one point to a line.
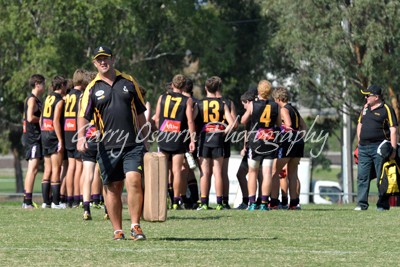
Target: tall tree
[330, 42]
[153, 40]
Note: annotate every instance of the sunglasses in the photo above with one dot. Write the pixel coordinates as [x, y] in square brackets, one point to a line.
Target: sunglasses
[366, 96]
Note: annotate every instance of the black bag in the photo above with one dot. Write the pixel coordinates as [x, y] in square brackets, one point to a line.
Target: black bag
[390, 179]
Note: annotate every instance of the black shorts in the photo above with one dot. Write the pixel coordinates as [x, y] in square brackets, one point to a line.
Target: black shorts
[91, 152]
[260, 156]
[74, 154]
[50, 146]
[289, 150]
[47, 151]
[115, 163]
[227, 149]
[33, 151]
[211, 152]
[179, 151]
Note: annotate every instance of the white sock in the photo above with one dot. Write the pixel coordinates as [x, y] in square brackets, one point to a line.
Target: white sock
[134, 224]
[116, 231]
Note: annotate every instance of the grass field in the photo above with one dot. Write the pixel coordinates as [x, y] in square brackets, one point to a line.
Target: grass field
[315, 236]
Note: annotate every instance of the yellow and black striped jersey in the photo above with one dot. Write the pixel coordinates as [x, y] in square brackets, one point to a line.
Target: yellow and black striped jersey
[375, 124]
[115, 109]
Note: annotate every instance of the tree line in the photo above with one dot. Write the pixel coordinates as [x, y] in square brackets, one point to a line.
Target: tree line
[327, 50]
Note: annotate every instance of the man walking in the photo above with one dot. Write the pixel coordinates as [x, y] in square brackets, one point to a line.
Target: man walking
[114, 100]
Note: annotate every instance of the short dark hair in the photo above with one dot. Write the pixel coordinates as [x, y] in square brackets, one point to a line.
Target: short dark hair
[213, 84]
[36, 78]
[57, 82]
[248, 96]
[188, 88]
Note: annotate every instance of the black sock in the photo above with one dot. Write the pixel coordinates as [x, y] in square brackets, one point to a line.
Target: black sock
[55, 190]
[194, 192]
[284, 201]
[96, 199]
[294, 202]
[171, 192]
[28, 199]
[225, 200]
[176, 200]
[274, 202]
[46, 192]
[86, 206]
[245, 200]
[62, 198]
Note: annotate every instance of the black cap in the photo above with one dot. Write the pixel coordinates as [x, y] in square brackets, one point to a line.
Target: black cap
[372, 90]
[102, 51]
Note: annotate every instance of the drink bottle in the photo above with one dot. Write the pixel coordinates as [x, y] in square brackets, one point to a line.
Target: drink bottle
[190, 160]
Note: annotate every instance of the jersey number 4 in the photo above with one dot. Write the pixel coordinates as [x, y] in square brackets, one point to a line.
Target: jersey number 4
[266, 116]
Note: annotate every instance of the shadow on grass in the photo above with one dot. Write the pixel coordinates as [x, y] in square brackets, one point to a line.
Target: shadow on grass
[197, 218]
[326, 209]
[181, 239]
[190, 218]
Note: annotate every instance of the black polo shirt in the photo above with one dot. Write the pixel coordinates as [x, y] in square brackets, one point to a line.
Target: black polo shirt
[375, 124]
[115, 109]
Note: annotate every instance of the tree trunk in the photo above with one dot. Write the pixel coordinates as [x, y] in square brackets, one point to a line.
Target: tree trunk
[18, 171]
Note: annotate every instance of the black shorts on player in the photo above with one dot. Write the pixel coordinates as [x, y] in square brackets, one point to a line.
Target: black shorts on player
[115, 163]
[33, 151]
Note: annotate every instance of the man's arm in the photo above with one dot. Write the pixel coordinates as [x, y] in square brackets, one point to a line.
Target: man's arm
[393, 141]
[246, 116]
[157, 114]
[59, 109]
[192, 130]
[83, 107]
[32, 107]
[143, 129]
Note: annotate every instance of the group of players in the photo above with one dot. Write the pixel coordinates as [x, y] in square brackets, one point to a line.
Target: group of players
[274, 140]
[70, 178]
[185, 126]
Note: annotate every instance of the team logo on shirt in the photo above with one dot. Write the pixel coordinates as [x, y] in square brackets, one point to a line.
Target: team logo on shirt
[47, 125]
[125, 89]
[171, 126]
[70, 125]
[99, 93]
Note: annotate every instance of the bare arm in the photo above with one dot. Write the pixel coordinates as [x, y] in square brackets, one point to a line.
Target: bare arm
[286, 117]
[148, 111]
[59, 109]
[32, 107]
[393, 140]
[234, 115]
[189, 116]
[157, 114]
[144, 130]
[229, 119]
[279, 118]
[246, 116]
[358, 131]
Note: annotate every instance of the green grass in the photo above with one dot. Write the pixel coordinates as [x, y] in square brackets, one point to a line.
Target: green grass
[8, 184]
[328, 175]
[314, 236]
